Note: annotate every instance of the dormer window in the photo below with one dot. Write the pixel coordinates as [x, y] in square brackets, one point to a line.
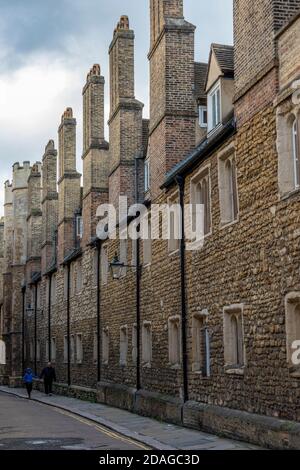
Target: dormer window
[214, 103]
[147, 175]
[79, 226]
[203, 116]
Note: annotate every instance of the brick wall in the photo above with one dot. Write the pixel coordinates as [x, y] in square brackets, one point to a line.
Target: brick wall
[255, 24]
[288, 49]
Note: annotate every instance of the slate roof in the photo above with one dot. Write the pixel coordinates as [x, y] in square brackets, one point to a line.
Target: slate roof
[200, 79]
[225, 57]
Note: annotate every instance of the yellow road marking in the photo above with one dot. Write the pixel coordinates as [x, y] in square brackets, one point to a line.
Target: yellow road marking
[103, 430]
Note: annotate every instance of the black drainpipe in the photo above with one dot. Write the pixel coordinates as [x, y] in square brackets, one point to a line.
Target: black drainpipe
[23, 327]
[138, 291]
[180, 183]
[35, 328]
[138, 315]
[98, 312]
[49, 317]
[68, 325]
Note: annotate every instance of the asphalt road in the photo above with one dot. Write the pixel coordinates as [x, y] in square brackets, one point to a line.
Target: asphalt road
[27, 425]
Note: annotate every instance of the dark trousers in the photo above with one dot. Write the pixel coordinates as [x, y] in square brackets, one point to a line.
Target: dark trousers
[48, 386]
[29, 388]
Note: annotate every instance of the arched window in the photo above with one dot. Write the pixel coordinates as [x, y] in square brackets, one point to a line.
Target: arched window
[234, 337]
[229, 186]
[2, 353]
[295, 152]
[235, 341]
[204, 199]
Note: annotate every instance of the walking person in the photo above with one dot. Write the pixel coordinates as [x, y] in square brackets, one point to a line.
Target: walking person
[28, 380]
[49, 376]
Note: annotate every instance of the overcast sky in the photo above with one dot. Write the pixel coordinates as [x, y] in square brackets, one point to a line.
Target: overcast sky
[48, 46]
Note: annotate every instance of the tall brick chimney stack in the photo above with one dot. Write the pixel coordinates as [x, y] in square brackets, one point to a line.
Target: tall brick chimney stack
[34, 221]
[69, 191]
[172, 102]
[255, 26]
[49, 204]
[8, 228]
[161, 10]
[8, 256]
[125, 123]
[20, 212]
[95, 152]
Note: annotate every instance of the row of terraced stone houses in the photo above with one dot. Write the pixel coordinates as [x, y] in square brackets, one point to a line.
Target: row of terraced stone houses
[201, 337]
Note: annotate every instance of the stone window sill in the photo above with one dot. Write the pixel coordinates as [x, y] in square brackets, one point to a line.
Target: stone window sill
[146, 365]
[174, 366]
[224, 225]
[174, 253]
[294, 372]
[197, 245]
[239, 371]
[289, 194]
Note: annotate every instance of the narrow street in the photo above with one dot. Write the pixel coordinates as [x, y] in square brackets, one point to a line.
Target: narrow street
[28, 425]
[60, 422]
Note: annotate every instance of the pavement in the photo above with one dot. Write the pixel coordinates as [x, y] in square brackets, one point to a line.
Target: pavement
[137, 431]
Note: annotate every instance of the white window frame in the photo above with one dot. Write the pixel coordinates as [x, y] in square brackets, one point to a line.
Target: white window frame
[202, 122]
[213, 110]
[146, 175]
[79, 226]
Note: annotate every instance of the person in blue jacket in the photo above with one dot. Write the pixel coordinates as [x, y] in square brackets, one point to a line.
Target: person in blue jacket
[28, 380]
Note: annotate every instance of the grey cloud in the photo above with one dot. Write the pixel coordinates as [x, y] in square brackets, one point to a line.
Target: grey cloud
[79, 33]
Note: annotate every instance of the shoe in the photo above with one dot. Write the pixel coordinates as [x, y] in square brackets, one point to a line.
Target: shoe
[50, 394]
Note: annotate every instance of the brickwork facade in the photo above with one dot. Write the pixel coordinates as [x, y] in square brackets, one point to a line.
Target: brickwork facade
[213, 324]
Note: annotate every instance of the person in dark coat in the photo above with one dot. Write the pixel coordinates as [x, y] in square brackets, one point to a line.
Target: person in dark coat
[28, 379]
[49, 376]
